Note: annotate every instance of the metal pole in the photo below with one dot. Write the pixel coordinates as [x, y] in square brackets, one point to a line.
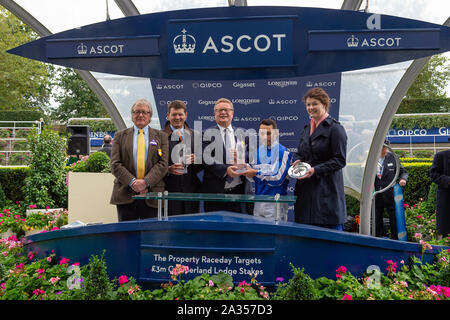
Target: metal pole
[166, 206]
[159, 206]
[397, 172]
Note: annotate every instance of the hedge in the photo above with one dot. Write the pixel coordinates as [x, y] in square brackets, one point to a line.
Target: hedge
[17, 115]
[418, 183]
[12, 180]
[425, 105]
[421, 121]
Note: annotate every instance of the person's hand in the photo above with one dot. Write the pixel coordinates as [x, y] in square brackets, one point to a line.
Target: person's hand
[189, 158]
[308, 174]
[231, 171]
[139, 185]
[402, 182]
[295, 162]
[176, 169]
[250, 173]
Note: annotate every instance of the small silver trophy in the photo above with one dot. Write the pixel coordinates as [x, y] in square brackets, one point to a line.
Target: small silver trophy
[299, 170]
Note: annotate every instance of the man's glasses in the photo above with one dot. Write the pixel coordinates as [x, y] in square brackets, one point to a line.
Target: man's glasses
[227, 110]
[137, 112]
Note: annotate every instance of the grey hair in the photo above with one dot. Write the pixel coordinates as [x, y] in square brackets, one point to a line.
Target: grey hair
[144, 102]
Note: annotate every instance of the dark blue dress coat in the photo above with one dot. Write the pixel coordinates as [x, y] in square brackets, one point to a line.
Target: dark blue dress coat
[321, 198]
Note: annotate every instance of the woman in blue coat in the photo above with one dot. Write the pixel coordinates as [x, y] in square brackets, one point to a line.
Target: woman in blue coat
[323, 144]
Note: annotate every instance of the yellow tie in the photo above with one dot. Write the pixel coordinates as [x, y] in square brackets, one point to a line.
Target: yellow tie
[141, 155]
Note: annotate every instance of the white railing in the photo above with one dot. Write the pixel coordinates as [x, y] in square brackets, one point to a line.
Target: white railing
[7, 151]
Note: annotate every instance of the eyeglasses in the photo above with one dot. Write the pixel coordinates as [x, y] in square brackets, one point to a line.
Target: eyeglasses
[227, 110]
[137, 112]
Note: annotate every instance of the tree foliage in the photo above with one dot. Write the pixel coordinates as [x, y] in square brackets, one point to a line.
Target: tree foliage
[24, 83]
[432, 80]
[76, 99]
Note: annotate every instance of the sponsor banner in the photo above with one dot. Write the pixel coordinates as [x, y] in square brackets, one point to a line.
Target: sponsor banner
[413, 39]
[419, 135]
[102, 47]
[158, 264]
[96, 137]
[232, 43]
[253, 101]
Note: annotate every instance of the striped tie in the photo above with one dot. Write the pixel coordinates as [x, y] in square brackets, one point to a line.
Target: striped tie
[141, 155]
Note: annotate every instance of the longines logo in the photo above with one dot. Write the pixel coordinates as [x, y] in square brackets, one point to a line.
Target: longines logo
[282, 83]
[184, 43]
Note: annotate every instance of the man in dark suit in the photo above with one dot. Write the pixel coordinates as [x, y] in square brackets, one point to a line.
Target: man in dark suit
[385, 174]
[224, 156]
[440, 174]
[182, 175]
[107, 145]
[137, 172]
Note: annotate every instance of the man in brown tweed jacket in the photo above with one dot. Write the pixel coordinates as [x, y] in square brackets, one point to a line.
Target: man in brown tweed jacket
[124, 168]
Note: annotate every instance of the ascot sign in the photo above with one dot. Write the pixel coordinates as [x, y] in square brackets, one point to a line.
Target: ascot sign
[240, 43]
[230, 44]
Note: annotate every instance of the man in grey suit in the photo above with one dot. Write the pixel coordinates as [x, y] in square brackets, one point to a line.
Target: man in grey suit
[124, 165]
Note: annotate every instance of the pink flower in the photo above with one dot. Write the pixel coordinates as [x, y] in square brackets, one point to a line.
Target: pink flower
[211, 283]
[242, 290]
[123, 280]
[347, 297]
[64, 261]
[38, 292]
[341, 269]
[40, 272]
[392, 266]
[53, 280]
[32, 206]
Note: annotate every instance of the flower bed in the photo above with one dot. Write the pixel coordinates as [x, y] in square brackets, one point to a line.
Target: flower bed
[24, 277]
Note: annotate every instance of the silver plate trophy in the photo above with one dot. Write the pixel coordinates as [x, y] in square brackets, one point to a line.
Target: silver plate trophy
[299, 170]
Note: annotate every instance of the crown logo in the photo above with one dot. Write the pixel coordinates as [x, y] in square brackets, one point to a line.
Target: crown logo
[159, 86]
[271, 101]
[352, 42]
[309, 84]
[184, 43]
[82, 49]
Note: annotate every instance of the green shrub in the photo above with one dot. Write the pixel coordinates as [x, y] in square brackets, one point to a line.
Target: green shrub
[98, 162]
[12, 181]
[97, 283]
[418, 185]
[45, 185]
[299, 287]
[2, 197]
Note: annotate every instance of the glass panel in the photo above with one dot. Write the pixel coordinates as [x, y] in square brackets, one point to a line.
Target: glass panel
[145, 6]
[61, 15]
[216, 197]
[332, 4]
[435, 11]
[123, 91]
[364, 95]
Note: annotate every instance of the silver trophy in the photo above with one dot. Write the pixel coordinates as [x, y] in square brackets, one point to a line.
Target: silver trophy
[299, 170]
